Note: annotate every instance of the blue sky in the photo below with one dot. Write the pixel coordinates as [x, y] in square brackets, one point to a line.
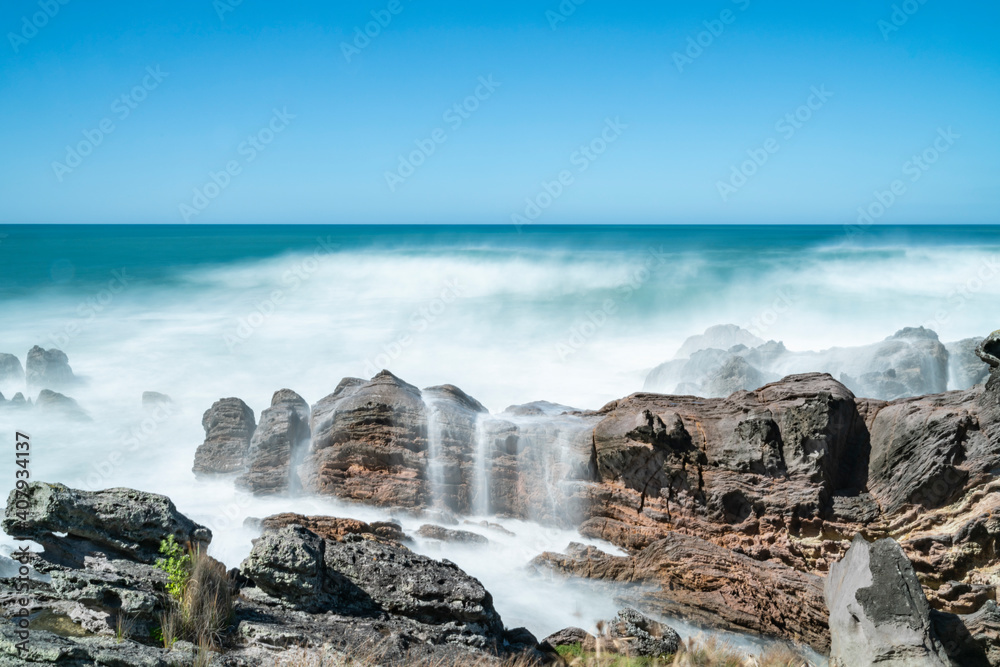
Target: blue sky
[311, 134]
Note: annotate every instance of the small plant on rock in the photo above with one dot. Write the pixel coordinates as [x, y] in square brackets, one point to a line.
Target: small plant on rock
[177, 565]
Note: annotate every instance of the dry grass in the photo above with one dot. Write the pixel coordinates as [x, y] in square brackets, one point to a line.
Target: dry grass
[708, 652]
[203, 610]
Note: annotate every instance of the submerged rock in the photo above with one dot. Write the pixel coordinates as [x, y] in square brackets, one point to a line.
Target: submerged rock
[878, 612]
[48, 369]
[448, 535]
[229, 426]
[51, 404]
[154, 399]
[11, 371]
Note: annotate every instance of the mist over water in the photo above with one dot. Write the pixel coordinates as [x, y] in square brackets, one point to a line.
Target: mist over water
[575, 316]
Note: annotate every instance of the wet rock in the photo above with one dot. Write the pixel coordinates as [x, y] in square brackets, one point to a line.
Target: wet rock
[989, 350]
[642, 636]
[11, 371]
[154, 399]
[965, 368]
[332, 528]
[51, 404]
[448, 535]
[48, 369]
[709, 585]
[878, 612]
[118, 522]
[229, 426]
[278, 446]
[369, 443]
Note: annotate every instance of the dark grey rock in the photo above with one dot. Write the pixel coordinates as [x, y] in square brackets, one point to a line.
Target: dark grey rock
[449, 535]
[369, 579]
[878, 612]
[52, 404]
[569, 637]
[229, 426]
[122, 522]
[643, 636]
[48, 369]
[989, 349]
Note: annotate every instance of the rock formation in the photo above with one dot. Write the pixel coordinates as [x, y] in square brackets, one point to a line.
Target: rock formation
[48, 369]
[965, 368]
[11, 371]
[229, 426]
[730, 510]
[911, 362]
[878, 612]
[278, 446]
[50, 403]
[297, 589]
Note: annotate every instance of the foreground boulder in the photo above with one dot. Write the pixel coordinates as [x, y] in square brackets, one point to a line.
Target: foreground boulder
[357, 591]
[229, 427]
[278, 446]
[48, 369]
[878, 612]
[642, 636]
[123, 523]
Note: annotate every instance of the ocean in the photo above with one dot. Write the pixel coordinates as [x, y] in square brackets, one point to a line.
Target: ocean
[576, 315]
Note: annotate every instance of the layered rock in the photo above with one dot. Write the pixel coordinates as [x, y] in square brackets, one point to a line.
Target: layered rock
[878, 612]
[52, 404]
[278, 446]
[48, 369]
[229, 427]
[708, 585]
[332, 528]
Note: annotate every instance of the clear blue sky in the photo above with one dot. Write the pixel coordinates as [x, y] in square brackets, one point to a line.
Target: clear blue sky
[679, 133]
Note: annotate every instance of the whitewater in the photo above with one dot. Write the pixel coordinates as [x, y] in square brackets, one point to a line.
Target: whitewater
[575, 316]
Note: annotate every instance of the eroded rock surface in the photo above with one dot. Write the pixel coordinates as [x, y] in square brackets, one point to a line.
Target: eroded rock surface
[278, 446]
[229, 427]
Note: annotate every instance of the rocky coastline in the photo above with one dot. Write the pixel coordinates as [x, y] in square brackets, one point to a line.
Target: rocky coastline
[863, 528]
